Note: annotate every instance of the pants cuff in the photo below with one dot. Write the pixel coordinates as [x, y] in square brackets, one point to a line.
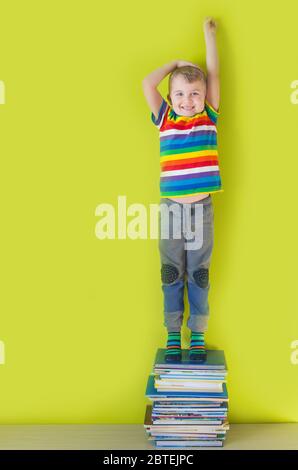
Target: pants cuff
[173, 320]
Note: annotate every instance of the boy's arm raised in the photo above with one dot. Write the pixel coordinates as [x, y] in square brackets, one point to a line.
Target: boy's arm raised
[150, 83]
[212, 63]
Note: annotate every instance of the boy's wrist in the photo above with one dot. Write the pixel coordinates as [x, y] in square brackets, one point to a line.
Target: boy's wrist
[170, 67]
[210, 35]
[174, 64]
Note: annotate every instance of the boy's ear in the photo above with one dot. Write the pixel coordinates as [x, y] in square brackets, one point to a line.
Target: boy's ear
[169, 98]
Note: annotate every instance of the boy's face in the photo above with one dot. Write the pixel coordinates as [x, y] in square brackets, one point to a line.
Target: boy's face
[186, 98]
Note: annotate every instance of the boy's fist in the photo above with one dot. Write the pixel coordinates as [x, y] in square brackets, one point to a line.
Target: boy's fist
[210, 25]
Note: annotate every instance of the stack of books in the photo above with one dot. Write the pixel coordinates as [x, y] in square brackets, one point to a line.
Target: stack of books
[189, 402]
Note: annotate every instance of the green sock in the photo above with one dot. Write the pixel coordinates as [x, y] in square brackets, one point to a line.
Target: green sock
[173, 343]
[197, 343]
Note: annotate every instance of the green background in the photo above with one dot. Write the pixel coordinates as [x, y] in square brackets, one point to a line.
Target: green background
[81, 318]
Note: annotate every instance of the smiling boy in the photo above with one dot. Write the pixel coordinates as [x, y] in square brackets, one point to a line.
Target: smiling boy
[189, 174]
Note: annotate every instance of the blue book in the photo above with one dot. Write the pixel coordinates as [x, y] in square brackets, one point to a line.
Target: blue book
[215, 360]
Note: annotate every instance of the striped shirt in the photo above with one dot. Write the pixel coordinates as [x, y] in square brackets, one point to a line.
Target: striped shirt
[188, 152]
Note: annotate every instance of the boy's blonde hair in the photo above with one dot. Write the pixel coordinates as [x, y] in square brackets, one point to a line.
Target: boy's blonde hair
[189, 73]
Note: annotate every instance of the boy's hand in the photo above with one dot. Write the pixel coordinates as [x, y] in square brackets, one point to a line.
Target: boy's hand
[210, 25]
[212, 63]
[181, 63]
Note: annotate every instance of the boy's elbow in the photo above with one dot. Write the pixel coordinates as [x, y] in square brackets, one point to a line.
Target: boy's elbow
[146, 82]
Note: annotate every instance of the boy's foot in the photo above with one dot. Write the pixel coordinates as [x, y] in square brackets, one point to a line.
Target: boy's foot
[197, 351]
[173, 352]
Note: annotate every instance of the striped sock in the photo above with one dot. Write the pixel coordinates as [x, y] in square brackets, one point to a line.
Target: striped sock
[173, 352]
[197, 345]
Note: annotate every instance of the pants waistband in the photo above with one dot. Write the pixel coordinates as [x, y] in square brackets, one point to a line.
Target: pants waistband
[205, 200]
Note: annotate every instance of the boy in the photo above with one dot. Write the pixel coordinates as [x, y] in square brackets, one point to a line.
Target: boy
[189, 173]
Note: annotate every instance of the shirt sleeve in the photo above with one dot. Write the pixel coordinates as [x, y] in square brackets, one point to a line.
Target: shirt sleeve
[161, 114]
[212, 113]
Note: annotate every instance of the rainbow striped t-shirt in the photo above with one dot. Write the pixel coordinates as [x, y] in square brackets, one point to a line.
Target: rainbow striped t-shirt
[188, 152]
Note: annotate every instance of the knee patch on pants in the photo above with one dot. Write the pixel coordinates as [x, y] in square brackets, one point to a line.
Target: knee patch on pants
[201, 277]
[169, 273]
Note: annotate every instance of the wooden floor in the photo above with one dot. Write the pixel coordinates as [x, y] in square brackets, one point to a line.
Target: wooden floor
[134, 437]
